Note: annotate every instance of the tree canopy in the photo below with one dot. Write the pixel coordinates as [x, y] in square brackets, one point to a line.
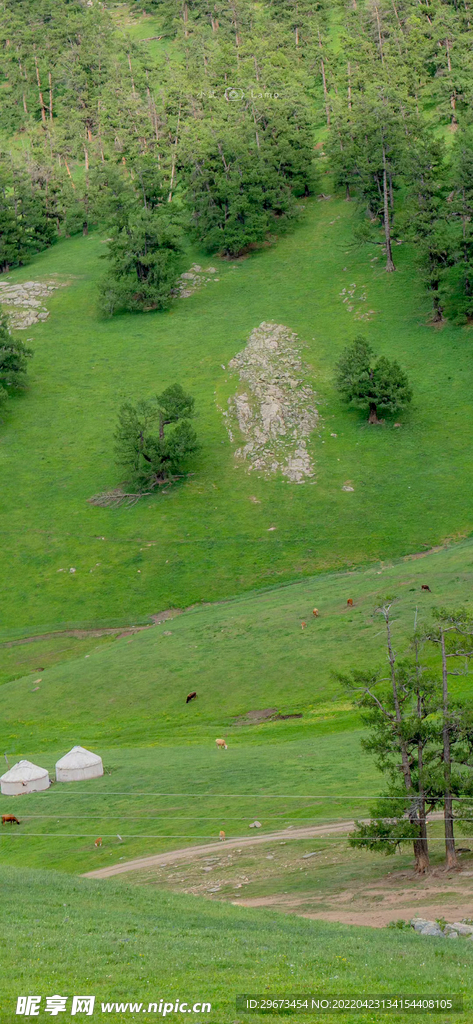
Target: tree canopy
[152, 454]
[14, 355]
[366, 382]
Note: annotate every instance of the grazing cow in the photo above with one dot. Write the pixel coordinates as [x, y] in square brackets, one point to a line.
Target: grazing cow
[191, 696]
[303, 625]
[315, 612]
[221, 835]
[350, 602]
[9, 819]
[426, 587]
[221, 744]
[98, 842]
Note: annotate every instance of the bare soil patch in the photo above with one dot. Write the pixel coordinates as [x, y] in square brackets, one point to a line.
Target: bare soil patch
[390, 899]
[80, 634]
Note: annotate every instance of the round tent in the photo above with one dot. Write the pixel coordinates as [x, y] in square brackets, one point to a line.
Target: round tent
[78, 764]
[24, 777]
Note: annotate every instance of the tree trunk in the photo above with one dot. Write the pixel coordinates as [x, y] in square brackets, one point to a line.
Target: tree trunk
[324, 82]
[41, 100]
[378, 25]
[453, 98]
[421, 852]
[174, 156]
[438, 311]
[373, 416]
[451, 854]
[387, 227]
[131, 75]
[69, 173]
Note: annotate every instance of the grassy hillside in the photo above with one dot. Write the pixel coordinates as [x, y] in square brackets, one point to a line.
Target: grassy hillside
[129, 944]
[165, 782]
[208, 538]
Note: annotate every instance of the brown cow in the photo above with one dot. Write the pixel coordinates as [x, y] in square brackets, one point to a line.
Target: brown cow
[315, 612]
[9, 819]
[221, 835]
[426, 587]
[221, 744]
[191, 696]
[350, 602]
[98, 842]
[303, 625]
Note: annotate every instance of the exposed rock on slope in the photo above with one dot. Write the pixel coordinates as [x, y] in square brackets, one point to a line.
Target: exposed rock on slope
[23, 301]
[274, 407]
[195, 278]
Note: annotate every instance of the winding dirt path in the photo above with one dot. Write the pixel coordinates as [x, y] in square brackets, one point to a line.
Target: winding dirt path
[84, 634]
[192, 852]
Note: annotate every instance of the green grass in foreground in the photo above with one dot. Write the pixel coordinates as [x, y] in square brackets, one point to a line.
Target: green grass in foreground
[122, 943]
[207, 538]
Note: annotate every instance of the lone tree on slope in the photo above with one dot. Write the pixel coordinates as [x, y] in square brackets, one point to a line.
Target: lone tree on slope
[13, 360]
[152, 454]
[371, 383]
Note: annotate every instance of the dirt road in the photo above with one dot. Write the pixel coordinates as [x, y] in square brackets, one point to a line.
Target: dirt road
[190, 852]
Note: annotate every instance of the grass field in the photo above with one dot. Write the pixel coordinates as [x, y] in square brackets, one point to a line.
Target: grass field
[122, 943]
[207, 539]
[248, 558]
[166, 784]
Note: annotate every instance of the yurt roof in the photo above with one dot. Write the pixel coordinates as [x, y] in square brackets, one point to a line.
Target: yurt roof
[78, 757]
[24, 771]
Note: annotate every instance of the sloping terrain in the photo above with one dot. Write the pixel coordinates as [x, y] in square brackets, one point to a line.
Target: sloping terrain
[224, 530]
[264, 683]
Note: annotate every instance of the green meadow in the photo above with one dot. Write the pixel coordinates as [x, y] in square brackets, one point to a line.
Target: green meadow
[239, 561]
[165, 783]
[124, 943]
[207, 538]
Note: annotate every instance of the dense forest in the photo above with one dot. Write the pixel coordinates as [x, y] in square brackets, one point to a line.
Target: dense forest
[234, 118]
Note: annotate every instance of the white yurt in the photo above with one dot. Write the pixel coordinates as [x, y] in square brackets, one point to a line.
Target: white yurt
[78, 764]
[24, 777]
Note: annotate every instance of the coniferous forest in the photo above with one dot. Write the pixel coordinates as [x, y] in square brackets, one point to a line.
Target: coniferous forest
[213, 137]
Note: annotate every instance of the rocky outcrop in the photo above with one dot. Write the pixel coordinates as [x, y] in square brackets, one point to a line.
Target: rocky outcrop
[23, 302]
[274, 407]
[440, 930]
[193, 280]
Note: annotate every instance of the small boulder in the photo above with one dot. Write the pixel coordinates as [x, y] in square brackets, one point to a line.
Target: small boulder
[432, 928]
[418, 923]
[458, 926]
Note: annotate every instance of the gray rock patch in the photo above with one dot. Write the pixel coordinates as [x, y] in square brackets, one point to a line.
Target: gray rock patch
[274, 407]
[192, 280]
[24, 302]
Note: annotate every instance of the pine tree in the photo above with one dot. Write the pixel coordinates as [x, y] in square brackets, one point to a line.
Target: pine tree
[14, 356]
[373, 384]
[151, 454]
